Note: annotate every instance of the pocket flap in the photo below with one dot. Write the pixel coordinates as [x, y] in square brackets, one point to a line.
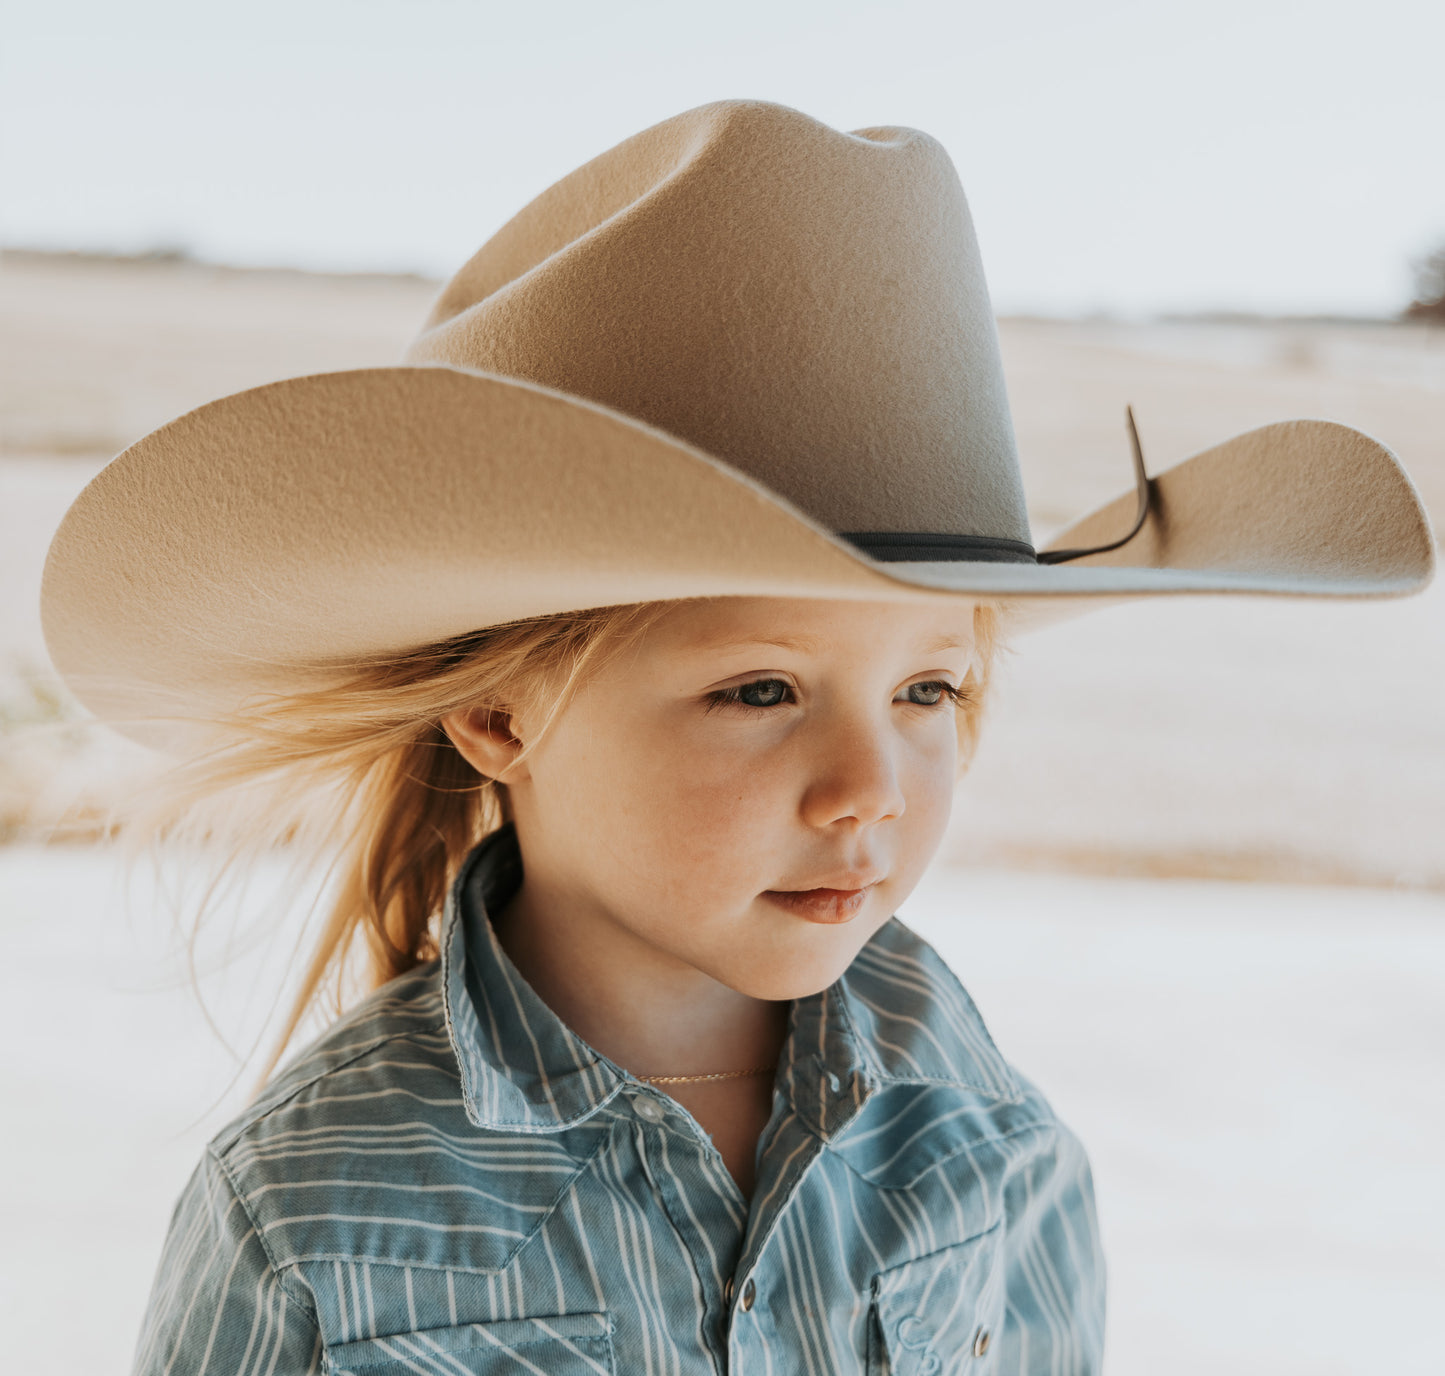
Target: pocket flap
[941, 1312]
[558, 1345]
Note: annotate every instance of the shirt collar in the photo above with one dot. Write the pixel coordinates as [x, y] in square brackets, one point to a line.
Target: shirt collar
[898, 1015]
[523, 1069]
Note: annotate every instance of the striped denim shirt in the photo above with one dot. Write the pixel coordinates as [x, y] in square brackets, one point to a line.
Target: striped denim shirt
[450, 1181]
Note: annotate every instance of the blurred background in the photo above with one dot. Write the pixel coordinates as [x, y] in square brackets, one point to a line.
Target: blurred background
[1196, 879]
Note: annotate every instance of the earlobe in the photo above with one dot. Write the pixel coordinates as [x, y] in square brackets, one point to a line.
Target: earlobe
[484, 739]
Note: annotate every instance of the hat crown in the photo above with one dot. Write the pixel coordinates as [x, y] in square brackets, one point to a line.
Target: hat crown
[806, 305]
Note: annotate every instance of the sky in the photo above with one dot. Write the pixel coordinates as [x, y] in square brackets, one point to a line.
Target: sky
[1119, 157]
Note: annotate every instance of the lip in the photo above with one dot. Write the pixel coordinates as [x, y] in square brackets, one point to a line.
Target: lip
[827, 907]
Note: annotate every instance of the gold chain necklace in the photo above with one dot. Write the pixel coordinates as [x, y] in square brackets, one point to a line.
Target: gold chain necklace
[718, 1075]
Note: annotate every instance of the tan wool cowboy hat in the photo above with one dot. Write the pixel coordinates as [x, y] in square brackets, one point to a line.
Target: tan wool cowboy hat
[740, 353]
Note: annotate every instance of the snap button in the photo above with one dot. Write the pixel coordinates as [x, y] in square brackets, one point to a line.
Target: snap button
[750, 1293]
[980, 1342]
[648, 1109]
[913, 1333]
[728, 1292]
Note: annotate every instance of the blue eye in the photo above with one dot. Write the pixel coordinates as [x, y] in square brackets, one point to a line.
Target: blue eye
[773, 692]
[766, 692]
[931, 694]
[763, 692]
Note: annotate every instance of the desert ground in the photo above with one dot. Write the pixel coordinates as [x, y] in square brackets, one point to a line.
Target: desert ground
[1195, 881]
[1240, 737]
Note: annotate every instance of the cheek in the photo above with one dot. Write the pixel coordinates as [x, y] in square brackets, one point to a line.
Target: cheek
[711, 812]
[666, 817]
[935, 782]
[929, 784]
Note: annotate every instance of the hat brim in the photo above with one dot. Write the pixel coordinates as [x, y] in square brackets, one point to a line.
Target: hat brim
[257, 542]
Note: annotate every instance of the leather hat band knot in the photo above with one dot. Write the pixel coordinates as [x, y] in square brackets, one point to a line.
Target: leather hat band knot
[909, 547]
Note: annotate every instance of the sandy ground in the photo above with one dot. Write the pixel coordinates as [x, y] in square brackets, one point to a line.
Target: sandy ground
[1241, 737]
[1254, 1066]
[1254, 1069]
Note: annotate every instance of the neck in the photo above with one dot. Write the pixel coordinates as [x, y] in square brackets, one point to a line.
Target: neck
[642, 1008]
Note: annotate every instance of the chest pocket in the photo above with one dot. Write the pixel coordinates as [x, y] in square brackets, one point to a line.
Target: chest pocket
[563, 1345]
[939, 1315]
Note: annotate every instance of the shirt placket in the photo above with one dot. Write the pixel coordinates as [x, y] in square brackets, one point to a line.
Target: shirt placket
[756, 1343]
[701, 1201]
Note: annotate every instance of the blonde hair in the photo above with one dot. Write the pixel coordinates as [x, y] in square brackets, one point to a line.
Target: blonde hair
[364, 779]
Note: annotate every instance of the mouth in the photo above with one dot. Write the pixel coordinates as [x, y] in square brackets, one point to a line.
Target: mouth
[828, 907]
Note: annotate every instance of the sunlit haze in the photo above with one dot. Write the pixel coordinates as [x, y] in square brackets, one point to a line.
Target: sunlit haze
[1120, 157]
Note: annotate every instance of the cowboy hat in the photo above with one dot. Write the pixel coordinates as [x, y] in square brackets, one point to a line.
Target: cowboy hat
[739, 353]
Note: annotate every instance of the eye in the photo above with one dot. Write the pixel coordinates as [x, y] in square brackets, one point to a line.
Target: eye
[763, 692]
[766, 692]
[930, 694]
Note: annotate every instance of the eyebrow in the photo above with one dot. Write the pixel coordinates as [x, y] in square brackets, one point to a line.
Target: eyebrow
[803, 644]
[946, 642]
[807, 644]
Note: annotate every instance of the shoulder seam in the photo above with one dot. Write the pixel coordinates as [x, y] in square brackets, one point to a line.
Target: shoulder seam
[250, 1120]
[1049, 1126]
[585, 1164]
[284, 1278]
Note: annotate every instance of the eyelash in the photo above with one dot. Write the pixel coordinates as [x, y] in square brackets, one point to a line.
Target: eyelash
[731, 697]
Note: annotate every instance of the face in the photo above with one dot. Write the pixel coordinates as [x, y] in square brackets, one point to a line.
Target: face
[754, 787]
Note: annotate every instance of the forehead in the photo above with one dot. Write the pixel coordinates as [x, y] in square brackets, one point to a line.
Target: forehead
[812, 625]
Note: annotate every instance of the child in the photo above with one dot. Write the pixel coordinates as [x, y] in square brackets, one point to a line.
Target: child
[626, 643]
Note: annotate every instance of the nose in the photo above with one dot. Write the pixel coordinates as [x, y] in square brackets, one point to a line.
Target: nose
[853, 777]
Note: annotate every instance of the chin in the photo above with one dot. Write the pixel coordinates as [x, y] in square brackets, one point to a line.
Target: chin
[781, 975]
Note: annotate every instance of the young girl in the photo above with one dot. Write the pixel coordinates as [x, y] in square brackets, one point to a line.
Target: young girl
[623, 646]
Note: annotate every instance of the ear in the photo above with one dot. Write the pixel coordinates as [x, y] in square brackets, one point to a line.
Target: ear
[483, 737]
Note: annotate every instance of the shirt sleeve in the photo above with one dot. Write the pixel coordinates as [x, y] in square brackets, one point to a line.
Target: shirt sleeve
[218, 1307]
[1054, 1266]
